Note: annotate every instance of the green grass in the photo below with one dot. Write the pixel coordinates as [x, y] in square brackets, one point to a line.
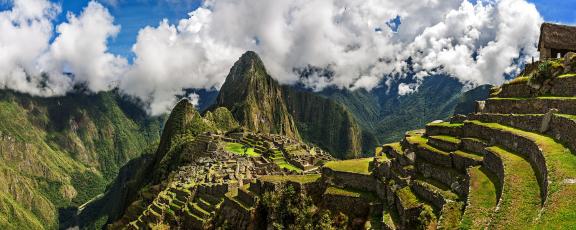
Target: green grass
[349, 193]
[360, 166]
[433, 185]
[395, 146]
[567, 75]
[422, 142]
[481, 199]
[520, 200]
[450, 139]
[561, 164]
[533, 98]
[518, 80]
[240, 149]
[451, 215]
[407, 198]
[474, 156]
[303, 179]
[446, 124]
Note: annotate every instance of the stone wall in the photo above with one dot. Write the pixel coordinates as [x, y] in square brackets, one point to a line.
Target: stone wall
[494, 164]
[447, 176]
[519, 144]
[530, 106]
[350, 180]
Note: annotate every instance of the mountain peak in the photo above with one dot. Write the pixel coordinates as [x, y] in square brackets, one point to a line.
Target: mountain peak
[249, 66]
[255, 99]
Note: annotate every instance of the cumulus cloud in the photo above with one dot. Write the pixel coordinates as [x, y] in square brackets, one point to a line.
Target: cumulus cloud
[30, 63]
[363, 43]
[81, 48]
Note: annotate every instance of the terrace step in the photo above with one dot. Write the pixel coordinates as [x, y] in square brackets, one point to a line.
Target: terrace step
[427, 153]
[444, 128]
[519, 202]
[555, 164]
[450, 215]
[473, 146]
[563, 86]
[536, 105]
[482, 199]
[449, 177]
[446, 143]
[432, 191]
[198, 211]
[409, 207]
[560, 126]
[463, 160]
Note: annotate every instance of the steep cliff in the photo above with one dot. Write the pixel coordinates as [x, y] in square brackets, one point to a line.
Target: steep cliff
[255, 99]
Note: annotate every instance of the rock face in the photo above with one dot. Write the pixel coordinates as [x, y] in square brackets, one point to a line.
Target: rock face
[260, 104]
[255, 99]
[327, 124]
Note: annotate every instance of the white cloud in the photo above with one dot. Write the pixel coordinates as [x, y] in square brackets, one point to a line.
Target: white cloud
[349, 37]
[194, 99]
[475, 43]
[81, 48]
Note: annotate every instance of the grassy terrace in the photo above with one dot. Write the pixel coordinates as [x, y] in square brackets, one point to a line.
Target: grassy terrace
[474, 156]
[240, 149]
[433, 185]
[481, 199]
[450, 139]
[520, 201]
[446, 124]
[278, 159]
[349, 193]
[407, 198]
[422, 142]
[360, 166]
[303, 179]
[518, 80]
[397, 147]
[561, 164]
[567, 75]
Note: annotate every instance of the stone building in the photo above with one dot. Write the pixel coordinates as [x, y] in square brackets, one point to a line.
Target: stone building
[556, 40]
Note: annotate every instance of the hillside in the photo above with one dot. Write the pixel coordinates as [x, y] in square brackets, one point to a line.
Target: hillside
[61, 152]
[509, 165]
[389, 115]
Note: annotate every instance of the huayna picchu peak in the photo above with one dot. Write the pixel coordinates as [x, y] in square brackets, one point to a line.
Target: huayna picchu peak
[255, 98]
[287, 115]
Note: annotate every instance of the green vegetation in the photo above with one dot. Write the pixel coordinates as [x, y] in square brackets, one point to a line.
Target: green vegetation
[546, 70]
[387, 115]
[450, 139]
[520, 200]
[561, 164]
[567, 75]
[446, 124]
[360, 166]
[64, 151]
[422, 142]
[350, 193]
[481, 199]
[519, 80]
[451, 215]
[289, 209]
[278, 159]
[240, 149]
[407, 198]
[303, 179]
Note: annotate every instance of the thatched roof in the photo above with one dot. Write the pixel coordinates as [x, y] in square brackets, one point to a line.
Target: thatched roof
[554, 36]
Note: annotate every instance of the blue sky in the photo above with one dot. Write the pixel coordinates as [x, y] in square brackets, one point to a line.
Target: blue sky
[133, 15]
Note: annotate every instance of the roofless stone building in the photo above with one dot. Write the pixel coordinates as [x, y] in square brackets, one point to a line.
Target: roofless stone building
[556, 40]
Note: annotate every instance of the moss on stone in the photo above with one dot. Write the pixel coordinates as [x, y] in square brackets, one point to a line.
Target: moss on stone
[360, 166]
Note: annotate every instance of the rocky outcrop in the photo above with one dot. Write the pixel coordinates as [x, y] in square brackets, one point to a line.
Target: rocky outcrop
[255, 98]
